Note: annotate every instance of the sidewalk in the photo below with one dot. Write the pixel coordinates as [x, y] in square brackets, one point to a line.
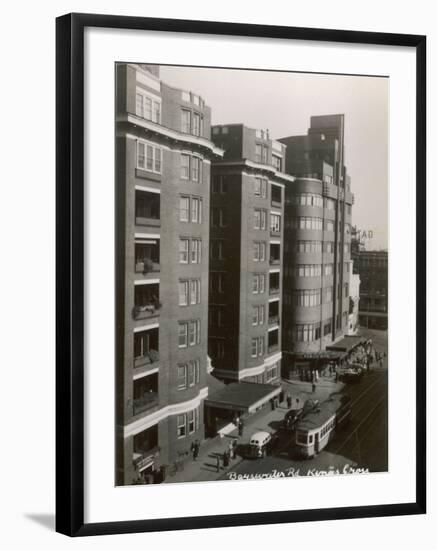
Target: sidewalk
[205, 467]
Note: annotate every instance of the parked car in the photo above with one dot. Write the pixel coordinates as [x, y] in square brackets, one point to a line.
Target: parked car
[260, 444]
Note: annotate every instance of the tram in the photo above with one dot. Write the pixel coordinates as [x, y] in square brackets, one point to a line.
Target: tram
[318, 426]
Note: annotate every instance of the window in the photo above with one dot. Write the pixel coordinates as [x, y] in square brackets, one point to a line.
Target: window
[259, 251]
[261, 152]
[149, 157]
[183, 293]
[185, 167]
[196, 251]
[196, 210]
[308, 270]
[218, 217]
[183, 335]
[257, 346]
[196, 169]
[182, 377]
[258, 315]
[219, 184]
[184, 209]
[195, 291]
[260, 189]
[186, 121]
[329, 247]
[183, 251]
[327, 295]
[148, 107]
[329, 204]
[277, 163]
[329, 269]
[306, 199]
[346, 290]
[182, 425]
[258, 283]
[189, 292]
[329, 225]
[308, 246]
[327, 327]
[217, 249]
[260, 219]
[254, 347]
[306, 222]
[275, 223]
[272, 373]
[307, 332]
[307, 298]
[346, 248]
[217, 281]
[197, 124]
[188, 374]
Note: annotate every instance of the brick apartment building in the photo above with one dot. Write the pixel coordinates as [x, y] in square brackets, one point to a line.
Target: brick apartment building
[246, 255]
[164, 156]
[317, 234]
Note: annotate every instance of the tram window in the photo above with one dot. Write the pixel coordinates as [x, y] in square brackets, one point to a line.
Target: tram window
[310, 439]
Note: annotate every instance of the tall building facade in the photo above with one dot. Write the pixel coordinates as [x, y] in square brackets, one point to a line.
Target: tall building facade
[246, 255]
[164, 156]
[317, 266]
[372, 268]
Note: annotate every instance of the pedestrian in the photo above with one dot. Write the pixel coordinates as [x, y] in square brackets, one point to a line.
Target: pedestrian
[336, 376]
[241, 428]
[314, 387]
[193, 449]
[196, 449]
[225, 459]
[288, 400]
[231, 450]
[218, 463]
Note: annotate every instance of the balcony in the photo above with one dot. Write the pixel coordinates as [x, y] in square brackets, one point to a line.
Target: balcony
[147, 302]
[147, 208]
[145, 402]
[276, 196]
[275, 254]
[274, 320]
[274, 313]
[145, 393]
[273, 342]
[147, 254]
[146, 447]
[274, 283]
[146, 347]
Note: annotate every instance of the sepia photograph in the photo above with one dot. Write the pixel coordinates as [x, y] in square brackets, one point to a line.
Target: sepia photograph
[252, 252]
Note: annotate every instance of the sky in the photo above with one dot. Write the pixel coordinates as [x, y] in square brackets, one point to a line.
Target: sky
[283, 102]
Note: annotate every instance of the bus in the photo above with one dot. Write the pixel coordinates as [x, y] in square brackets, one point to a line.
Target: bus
[317, 427]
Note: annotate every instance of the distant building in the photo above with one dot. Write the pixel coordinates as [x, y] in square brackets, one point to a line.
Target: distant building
[164, 156]
[354, 301]
[372, 267]
[246, 255]
[317, 236]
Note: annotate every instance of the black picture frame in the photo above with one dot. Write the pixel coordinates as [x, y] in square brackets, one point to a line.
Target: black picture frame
[70, 273]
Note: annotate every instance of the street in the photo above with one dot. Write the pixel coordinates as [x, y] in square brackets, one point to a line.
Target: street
[362, 445]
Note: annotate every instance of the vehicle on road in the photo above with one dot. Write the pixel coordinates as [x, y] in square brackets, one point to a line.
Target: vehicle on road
[293, 415]
[317, 427]
[260, 444]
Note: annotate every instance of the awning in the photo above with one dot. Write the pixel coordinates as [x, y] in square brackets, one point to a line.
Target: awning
[347, 344]
[243, 397]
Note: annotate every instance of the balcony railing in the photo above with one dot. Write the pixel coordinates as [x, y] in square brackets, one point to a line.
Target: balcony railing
[276, 203]
[274, 290]
[273, 347]
[153, 222]
[275, 261]
[151, 356]
[147, 266]
[275, 232]
[146, 311]
[145, 402]
[274, 320]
